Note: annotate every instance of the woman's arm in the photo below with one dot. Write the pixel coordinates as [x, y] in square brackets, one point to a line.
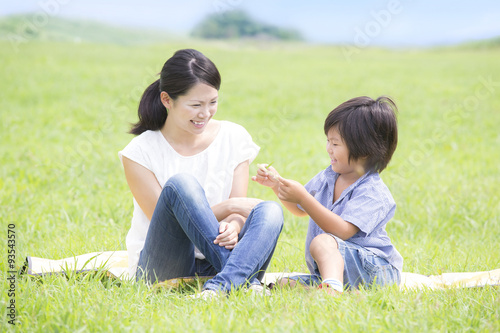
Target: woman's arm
[146, 190]
[233, 212]
[237, 203]
[143, 185]
[240, 180]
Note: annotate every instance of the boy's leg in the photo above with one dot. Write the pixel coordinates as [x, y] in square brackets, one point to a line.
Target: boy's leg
[361, 266]
[325, 251]
[328, 262]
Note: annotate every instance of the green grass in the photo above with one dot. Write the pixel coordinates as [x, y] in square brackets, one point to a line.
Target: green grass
[65, 110]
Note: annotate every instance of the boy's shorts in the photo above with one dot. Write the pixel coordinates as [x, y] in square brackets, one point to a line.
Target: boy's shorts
[361, 267]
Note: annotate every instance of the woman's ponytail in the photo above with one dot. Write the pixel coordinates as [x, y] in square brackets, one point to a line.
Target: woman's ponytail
[152, 113]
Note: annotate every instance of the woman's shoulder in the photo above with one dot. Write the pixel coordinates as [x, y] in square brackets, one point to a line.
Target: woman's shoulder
[235, 141]
[233, 132]
[146, 138]
[230, 127]
[146, 142]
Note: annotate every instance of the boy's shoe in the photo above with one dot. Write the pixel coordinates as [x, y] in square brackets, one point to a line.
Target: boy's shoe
[207, 295]
[258, 289]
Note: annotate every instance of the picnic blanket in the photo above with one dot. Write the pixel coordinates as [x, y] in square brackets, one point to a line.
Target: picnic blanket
[115, 265]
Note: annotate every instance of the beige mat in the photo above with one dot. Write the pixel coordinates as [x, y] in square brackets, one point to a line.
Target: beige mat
[115, 263]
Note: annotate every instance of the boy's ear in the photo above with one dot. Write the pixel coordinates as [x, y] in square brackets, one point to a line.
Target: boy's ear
[166, 100]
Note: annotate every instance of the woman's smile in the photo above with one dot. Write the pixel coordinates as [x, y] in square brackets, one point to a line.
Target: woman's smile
[198, 124]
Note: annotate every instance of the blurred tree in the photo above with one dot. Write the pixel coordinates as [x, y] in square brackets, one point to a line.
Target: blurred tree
[238, 24]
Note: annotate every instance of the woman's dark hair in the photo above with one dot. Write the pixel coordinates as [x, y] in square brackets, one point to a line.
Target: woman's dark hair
[368, 128]
[180, 73]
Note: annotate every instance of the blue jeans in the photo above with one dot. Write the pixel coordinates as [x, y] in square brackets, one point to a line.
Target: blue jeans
[361, 267]
[183, 219]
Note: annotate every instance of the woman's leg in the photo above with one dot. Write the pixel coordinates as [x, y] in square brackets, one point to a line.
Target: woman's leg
[182, 217]
[250, 257]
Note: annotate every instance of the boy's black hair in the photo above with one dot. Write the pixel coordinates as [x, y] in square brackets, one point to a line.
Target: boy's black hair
[368, 128]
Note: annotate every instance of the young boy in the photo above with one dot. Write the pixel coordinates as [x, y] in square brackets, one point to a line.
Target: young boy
[348, 204]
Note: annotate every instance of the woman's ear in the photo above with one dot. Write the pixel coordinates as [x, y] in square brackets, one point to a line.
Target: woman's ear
[166, 100]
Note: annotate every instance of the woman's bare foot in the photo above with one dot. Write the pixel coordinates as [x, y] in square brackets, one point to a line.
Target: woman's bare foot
[289, 283]
[286, 282]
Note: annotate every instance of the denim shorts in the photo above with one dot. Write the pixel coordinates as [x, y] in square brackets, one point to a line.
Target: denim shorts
[361, 267]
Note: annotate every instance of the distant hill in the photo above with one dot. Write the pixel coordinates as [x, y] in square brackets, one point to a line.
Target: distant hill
[490, 43]
[238, 24]
[480, 44]
[28, 27]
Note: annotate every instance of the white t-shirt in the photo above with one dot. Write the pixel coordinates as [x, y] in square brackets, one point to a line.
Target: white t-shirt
[213, 168]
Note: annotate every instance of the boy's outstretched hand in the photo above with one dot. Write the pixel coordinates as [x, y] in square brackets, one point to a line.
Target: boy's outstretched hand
[288, 191]
[291, 190]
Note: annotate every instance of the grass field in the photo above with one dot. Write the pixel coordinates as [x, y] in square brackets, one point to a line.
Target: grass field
[65, 110]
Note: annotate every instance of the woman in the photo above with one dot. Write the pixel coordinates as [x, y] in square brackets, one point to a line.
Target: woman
[188, 174]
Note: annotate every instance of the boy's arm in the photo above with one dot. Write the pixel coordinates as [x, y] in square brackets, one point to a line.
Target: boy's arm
[293, 192]
[268, 176]
[291, 206]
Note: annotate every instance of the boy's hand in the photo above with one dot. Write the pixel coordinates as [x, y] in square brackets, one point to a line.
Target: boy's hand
[291, 190]
[267, 176]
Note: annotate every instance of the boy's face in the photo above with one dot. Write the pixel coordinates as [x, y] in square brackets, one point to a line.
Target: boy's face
[339, 155]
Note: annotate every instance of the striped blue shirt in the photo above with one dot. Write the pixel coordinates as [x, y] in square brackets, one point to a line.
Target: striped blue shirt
[368, 204]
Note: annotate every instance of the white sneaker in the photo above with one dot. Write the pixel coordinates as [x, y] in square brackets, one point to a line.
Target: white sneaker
[206, 295]
[258, 289]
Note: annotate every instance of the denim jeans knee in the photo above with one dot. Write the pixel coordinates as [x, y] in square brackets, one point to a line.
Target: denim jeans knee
[184, 183]
[251, 256]
[273, 215]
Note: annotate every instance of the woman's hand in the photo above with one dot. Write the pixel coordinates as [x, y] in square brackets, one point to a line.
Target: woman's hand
[228, 235]
[267, 176]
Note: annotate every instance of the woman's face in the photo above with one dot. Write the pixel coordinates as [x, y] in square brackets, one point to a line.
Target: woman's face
[193, 111]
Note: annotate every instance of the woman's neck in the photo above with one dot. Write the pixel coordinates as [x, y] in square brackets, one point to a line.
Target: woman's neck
[186, 143]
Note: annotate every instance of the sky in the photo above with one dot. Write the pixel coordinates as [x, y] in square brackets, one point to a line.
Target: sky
[362, 23]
